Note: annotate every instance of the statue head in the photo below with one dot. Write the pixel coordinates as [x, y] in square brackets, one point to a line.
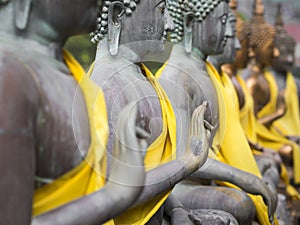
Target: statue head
[52, 19]
[286, 45]
[242, 33]
[194, 21]
[262, 37]
[140, 25]
[232, 44]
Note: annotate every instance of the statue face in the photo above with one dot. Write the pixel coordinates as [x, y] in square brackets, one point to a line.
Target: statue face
[209, 35]
[286, 58]
[232, 43]
[68, 16]
[143, 31]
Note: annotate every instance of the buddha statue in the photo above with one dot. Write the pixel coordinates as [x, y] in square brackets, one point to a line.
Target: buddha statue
[127, 32]
[187, 82]
[289, 124]
[269, 105]
[268, 160]
[51, 152]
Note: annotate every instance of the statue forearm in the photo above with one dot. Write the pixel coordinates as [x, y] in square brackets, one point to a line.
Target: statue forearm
[215, 170]
[268, 120]
[95, 208]
[165, 177]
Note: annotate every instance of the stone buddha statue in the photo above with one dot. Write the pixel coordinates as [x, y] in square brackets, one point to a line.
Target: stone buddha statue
[286, 88]
[262, 51]
[51, 152]
[269, 104]
[127, 32]
[187, 83]
[289, 124]
[268, 160]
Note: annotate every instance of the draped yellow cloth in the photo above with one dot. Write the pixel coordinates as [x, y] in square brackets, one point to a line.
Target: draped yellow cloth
[234, 148]
[269, 137]
[162, 150]
[247, 117]
[89, 175]
[289, 124]
[251, 126]
[270, 107]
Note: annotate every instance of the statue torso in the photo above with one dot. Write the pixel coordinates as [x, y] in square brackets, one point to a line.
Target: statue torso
[188, 85]
[122, 83]
[61, 126]
[258, 86]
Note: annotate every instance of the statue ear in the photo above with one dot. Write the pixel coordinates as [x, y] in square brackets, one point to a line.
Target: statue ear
[188, 31]
[115, 12]
[21, 13]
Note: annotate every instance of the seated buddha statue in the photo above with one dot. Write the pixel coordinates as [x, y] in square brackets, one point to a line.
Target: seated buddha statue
[52, 150]
[127, 33]
[188, 83]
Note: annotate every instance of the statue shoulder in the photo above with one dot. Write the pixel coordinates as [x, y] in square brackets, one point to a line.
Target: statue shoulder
[15, 78]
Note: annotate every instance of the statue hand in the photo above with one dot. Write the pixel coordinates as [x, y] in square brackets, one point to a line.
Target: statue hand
[269, 197]
[281, 105]
[199, 134]
[179, 216]
[129, 149]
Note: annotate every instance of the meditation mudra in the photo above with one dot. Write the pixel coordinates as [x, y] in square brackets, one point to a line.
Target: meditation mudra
[53, 149]
[125, 35]
[188, 84]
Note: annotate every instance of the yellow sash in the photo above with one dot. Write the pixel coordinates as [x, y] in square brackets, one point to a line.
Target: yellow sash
[162, 150]
[289, 124]
[270, 107]
[247, 117]
[270, 137]
[89, 175]
[235, 150]
[252, 128]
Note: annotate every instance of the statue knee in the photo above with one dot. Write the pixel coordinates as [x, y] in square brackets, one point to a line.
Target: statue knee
[286, 153]
[240, 205]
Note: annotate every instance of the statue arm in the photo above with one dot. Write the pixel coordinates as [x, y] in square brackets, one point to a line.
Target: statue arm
[215, 170]
[164, 178]
[123, 187]
[280, 111]
[16, 144]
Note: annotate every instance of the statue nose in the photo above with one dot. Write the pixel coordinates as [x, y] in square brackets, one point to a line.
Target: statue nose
[169, 24]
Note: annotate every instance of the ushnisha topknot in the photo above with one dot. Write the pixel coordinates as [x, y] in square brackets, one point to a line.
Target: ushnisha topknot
[282, 36]
[261, 32]
[102, 21]
[200, 8]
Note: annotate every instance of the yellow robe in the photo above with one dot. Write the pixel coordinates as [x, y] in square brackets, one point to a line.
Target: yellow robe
[234, 148]
[247, 117]
[89, 175]
[289, 124]
[269, 137]
[161, 151]
[251, 126]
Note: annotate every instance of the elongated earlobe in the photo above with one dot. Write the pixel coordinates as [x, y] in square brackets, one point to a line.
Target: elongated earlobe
[115, 12]
[188, 31]
[21, 13]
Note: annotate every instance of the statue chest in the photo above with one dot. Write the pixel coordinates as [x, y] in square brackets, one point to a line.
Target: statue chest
[62, 125]
[121, 90]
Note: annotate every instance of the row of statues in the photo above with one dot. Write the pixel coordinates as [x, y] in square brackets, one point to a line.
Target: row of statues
[205, 139]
